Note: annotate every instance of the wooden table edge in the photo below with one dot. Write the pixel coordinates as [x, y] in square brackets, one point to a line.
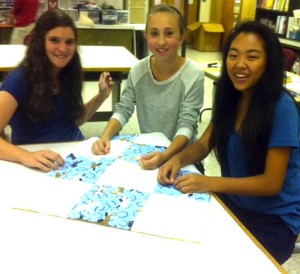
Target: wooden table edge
[257, 243]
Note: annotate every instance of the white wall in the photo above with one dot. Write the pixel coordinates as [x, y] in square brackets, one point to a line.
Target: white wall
[204, 10]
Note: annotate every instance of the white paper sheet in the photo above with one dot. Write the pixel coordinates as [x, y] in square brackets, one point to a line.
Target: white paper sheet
[155, 139]
[118, 146]
[129, 175]
[175, 217]
[294, 86]
[48, 195]
[85, 148]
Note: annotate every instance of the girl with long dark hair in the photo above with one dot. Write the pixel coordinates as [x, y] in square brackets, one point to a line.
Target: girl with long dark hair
[42, 98]
[254, 133]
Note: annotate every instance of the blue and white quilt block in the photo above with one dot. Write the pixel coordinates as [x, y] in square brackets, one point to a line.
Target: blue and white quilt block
[119, 188]
[110, 206]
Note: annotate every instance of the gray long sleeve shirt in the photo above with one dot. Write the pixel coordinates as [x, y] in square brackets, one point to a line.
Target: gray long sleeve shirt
[171, 106]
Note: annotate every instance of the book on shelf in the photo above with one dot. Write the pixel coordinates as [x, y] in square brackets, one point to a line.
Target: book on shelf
[263, 4]
[290, 24]
[281, 5]
[281, 25]
[286, 5]
[276, 5]
[269, 4]
[268, 22]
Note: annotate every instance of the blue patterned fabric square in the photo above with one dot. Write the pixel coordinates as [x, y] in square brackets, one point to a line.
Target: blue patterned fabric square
[110, 206]
[171, 190]
[82, 168]
[135, 151]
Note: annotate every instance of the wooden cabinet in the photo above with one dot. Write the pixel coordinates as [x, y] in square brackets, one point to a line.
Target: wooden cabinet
[247, 10]
[228, 15]
[5, 33]
[106, 37]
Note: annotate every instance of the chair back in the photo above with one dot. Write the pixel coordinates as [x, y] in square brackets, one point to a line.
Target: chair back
[289, 58]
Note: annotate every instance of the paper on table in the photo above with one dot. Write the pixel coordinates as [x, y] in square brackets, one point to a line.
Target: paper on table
[116, 148]
[129, 175]
[85, 147]
[49, 196]
[294, 86]
[159, 139]
[175, 217]
[154, 139]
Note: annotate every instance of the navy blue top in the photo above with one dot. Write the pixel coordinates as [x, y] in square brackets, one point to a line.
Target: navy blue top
[56, 129]
[285, 133]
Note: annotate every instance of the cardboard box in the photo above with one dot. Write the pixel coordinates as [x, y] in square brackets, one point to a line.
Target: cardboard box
[207, 36]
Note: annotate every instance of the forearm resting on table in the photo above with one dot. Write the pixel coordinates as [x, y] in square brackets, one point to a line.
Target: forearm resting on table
[260, 185]
[10, 152]
[268, 183]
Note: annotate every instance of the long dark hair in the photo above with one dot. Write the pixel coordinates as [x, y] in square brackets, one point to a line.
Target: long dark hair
[37, 103]
[256, 129]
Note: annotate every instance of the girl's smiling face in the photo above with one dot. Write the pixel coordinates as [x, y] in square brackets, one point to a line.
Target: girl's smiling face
[60, 46]
[246, 61]
[163, 35]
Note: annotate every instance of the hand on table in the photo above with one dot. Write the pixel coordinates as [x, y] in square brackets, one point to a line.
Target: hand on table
[190, 183]
[101, 146]
[45, 160]
[152, 160]
[168, 172]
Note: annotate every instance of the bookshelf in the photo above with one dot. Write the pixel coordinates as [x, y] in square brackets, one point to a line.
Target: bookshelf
[277, 14]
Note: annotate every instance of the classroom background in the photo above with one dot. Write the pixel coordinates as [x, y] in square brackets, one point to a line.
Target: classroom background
[121, 23]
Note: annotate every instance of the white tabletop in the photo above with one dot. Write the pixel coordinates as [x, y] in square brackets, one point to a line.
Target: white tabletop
[39, 243]
[36, 243]
[93, 58]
